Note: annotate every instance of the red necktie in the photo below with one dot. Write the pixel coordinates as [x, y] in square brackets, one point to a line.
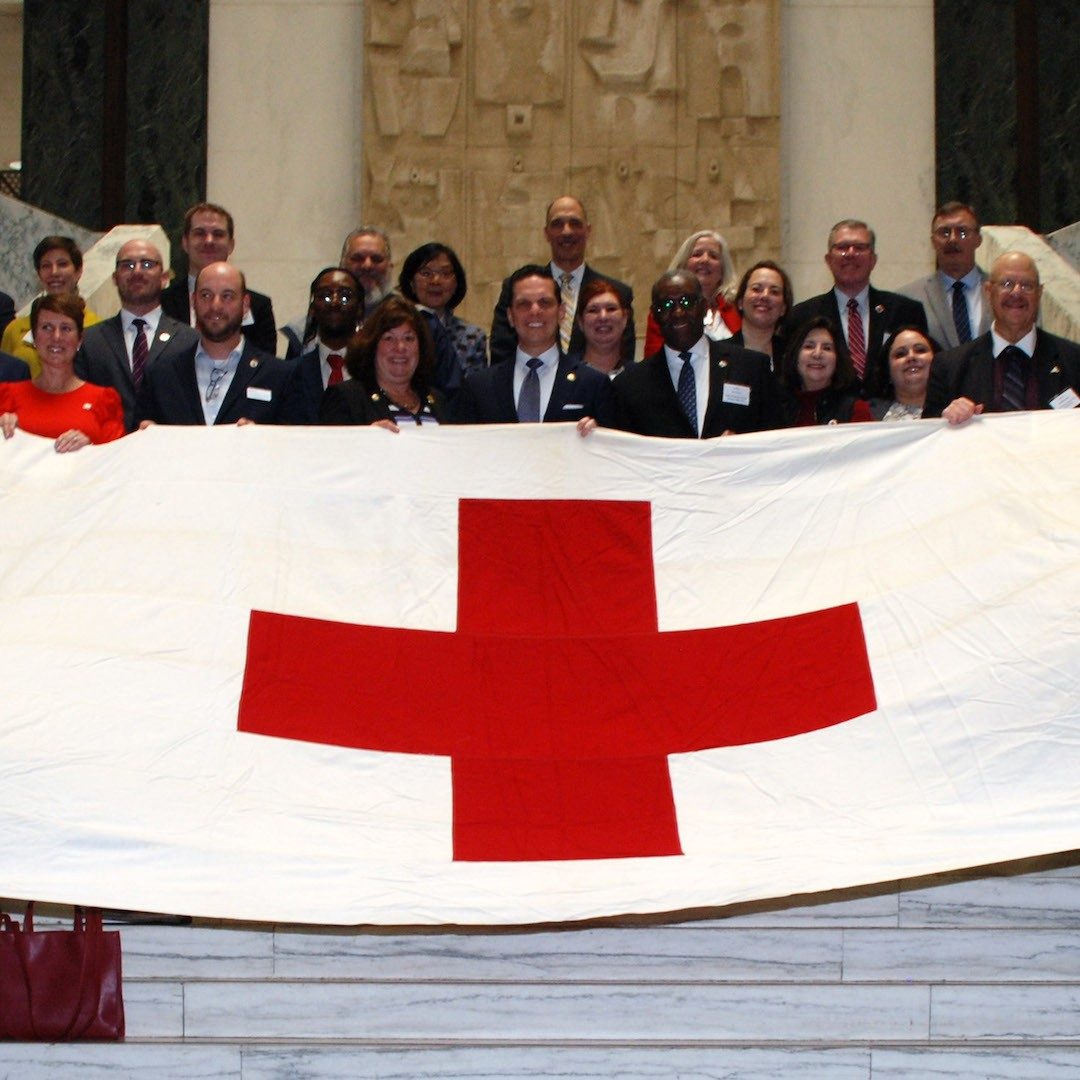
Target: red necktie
[336, 362]
[139, 351]
[856, 339]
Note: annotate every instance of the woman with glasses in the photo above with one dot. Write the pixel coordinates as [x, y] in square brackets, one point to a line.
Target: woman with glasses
[818, 380]
[433, 278]
[706, 254]
[56, 403]
[391, 362]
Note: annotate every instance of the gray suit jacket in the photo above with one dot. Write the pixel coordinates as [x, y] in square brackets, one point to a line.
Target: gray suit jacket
[103, 358]
[938, 308]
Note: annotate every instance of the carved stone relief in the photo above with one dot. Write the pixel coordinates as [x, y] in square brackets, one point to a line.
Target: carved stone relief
[662, 115]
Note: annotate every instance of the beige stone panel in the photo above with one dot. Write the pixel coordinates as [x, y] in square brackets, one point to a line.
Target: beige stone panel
[519, 51]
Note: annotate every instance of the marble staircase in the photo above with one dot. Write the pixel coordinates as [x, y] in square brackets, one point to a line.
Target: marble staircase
[968, 975]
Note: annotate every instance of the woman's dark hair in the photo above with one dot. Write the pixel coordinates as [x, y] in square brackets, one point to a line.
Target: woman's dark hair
[844, 375]
[74, 307]
[594, 288]
[392, 312]
[767, 264]
[878, 380]
[61, 243]
[420, 257]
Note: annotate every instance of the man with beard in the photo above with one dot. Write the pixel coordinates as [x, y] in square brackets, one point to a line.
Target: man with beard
[118, 351]
[221, 378]
[952, 295]
[1013, 366]
[335, 311]
[693, 388]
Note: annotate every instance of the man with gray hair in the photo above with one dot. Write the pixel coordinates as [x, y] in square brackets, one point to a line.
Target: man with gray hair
[864, 315]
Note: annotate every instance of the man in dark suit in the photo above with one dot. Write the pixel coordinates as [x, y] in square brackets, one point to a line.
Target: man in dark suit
[1013, 366]
[12, 369]
[222, 378]
[953, 296]
[693, 387]
[7, 312]
[865, 316]
[567, 231]
[335, 311]
[538, 383]
[116, 352]
[208, 238]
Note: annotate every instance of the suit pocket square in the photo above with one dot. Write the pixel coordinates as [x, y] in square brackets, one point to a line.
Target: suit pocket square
[571, 405]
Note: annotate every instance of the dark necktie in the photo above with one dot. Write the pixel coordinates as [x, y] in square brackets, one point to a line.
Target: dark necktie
[140, 349]
[336, 362]
[856, 338]
[960, 313]
[688, 391]
[528, 406]
[1014, 381]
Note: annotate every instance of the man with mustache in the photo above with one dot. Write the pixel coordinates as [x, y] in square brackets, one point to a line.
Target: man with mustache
[952, 296]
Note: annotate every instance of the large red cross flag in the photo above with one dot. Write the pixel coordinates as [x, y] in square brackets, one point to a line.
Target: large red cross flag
[508, 675]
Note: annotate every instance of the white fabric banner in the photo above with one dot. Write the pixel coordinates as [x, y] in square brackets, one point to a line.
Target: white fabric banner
[129, 574]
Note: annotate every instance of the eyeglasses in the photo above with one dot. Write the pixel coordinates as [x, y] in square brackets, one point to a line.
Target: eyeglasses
[961, 232]
[686, 302]
[143, 264]
[1011, 284]
[434, 274]
[217, 374]
[855, 248]
[344, 294]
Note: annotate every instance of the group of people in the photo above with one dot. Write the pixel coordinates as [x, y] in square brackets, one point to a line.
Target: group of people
[723, 355]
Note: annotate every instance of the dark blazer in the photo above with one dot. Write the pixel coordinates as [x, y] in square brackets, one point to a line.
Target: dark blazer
[103, 358]
[938, 308]
[487, 396]
[12, 369]
[7, 313]
[262, 333]
[351, 402]
[969, 372]
[502, 343]
[170, 395]
[888, 312]
[646, 401]
[309, 374]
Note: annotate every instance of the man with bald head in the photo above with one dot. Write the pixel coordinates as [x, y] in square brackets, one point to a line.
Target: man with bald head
[221, 378]
[1015, 365]
[117, 352]
[567, 231]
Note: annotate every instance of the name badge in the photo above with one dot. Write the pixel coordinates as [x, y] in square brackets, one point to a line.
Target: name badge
[736, 393]
[1067, 399]
[259, 393]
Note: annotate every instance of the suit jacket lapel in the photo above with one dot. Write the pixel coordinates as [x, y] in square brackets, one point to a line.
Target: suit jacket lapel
[189, 385]
[666, 396]
[246, 370]
[504, 389]
[112, 331]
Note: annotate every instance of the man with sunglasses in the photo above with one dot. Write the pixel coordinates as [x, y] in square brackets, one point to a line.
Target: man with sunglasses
[952, 295]
[1014, 366]
[693, 388]
[116, 352]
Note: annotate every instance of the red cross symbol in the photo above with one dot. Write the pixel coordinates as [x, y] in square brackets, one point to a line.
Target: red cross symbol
[557, 699]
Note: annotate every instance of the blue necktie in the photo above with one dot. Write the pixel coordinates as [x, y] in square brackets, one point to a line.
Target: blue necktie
[1014, 381]
[688, 391]
[960, 313]
[528, 406]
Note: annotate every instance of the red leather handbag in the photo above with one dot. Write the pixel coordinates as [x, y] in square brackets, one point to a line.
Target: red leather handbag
[60, 985]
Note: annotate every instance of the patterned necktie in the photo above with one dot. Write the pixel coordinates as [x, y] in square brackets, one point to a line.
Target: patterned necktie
[960, 313]
[336, 362]
[1014, 383]
[569, 302]
[140, 349]
[688, 391]
[856, 339]
[528, 407]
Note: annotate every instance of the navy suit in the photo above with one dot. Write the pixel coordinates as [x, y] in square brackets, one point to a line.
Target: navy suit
[487, 396]
[12, 369]
[7, 313]
[888, 312]
[351, 402]
[502, 343]
[969, 372]
[103, 358]
[262, 333]
[646, 401]
[170, 394]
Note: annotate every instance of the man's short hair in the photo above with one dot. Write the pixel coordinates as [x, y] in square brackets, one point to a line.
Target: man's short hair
[584, 212]
[74, 307]
[947, 209]
[853, 223]
[63, 243]
[209, 208]
[243, 280]
[671, 275]
[533, 270]
[366, 230]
